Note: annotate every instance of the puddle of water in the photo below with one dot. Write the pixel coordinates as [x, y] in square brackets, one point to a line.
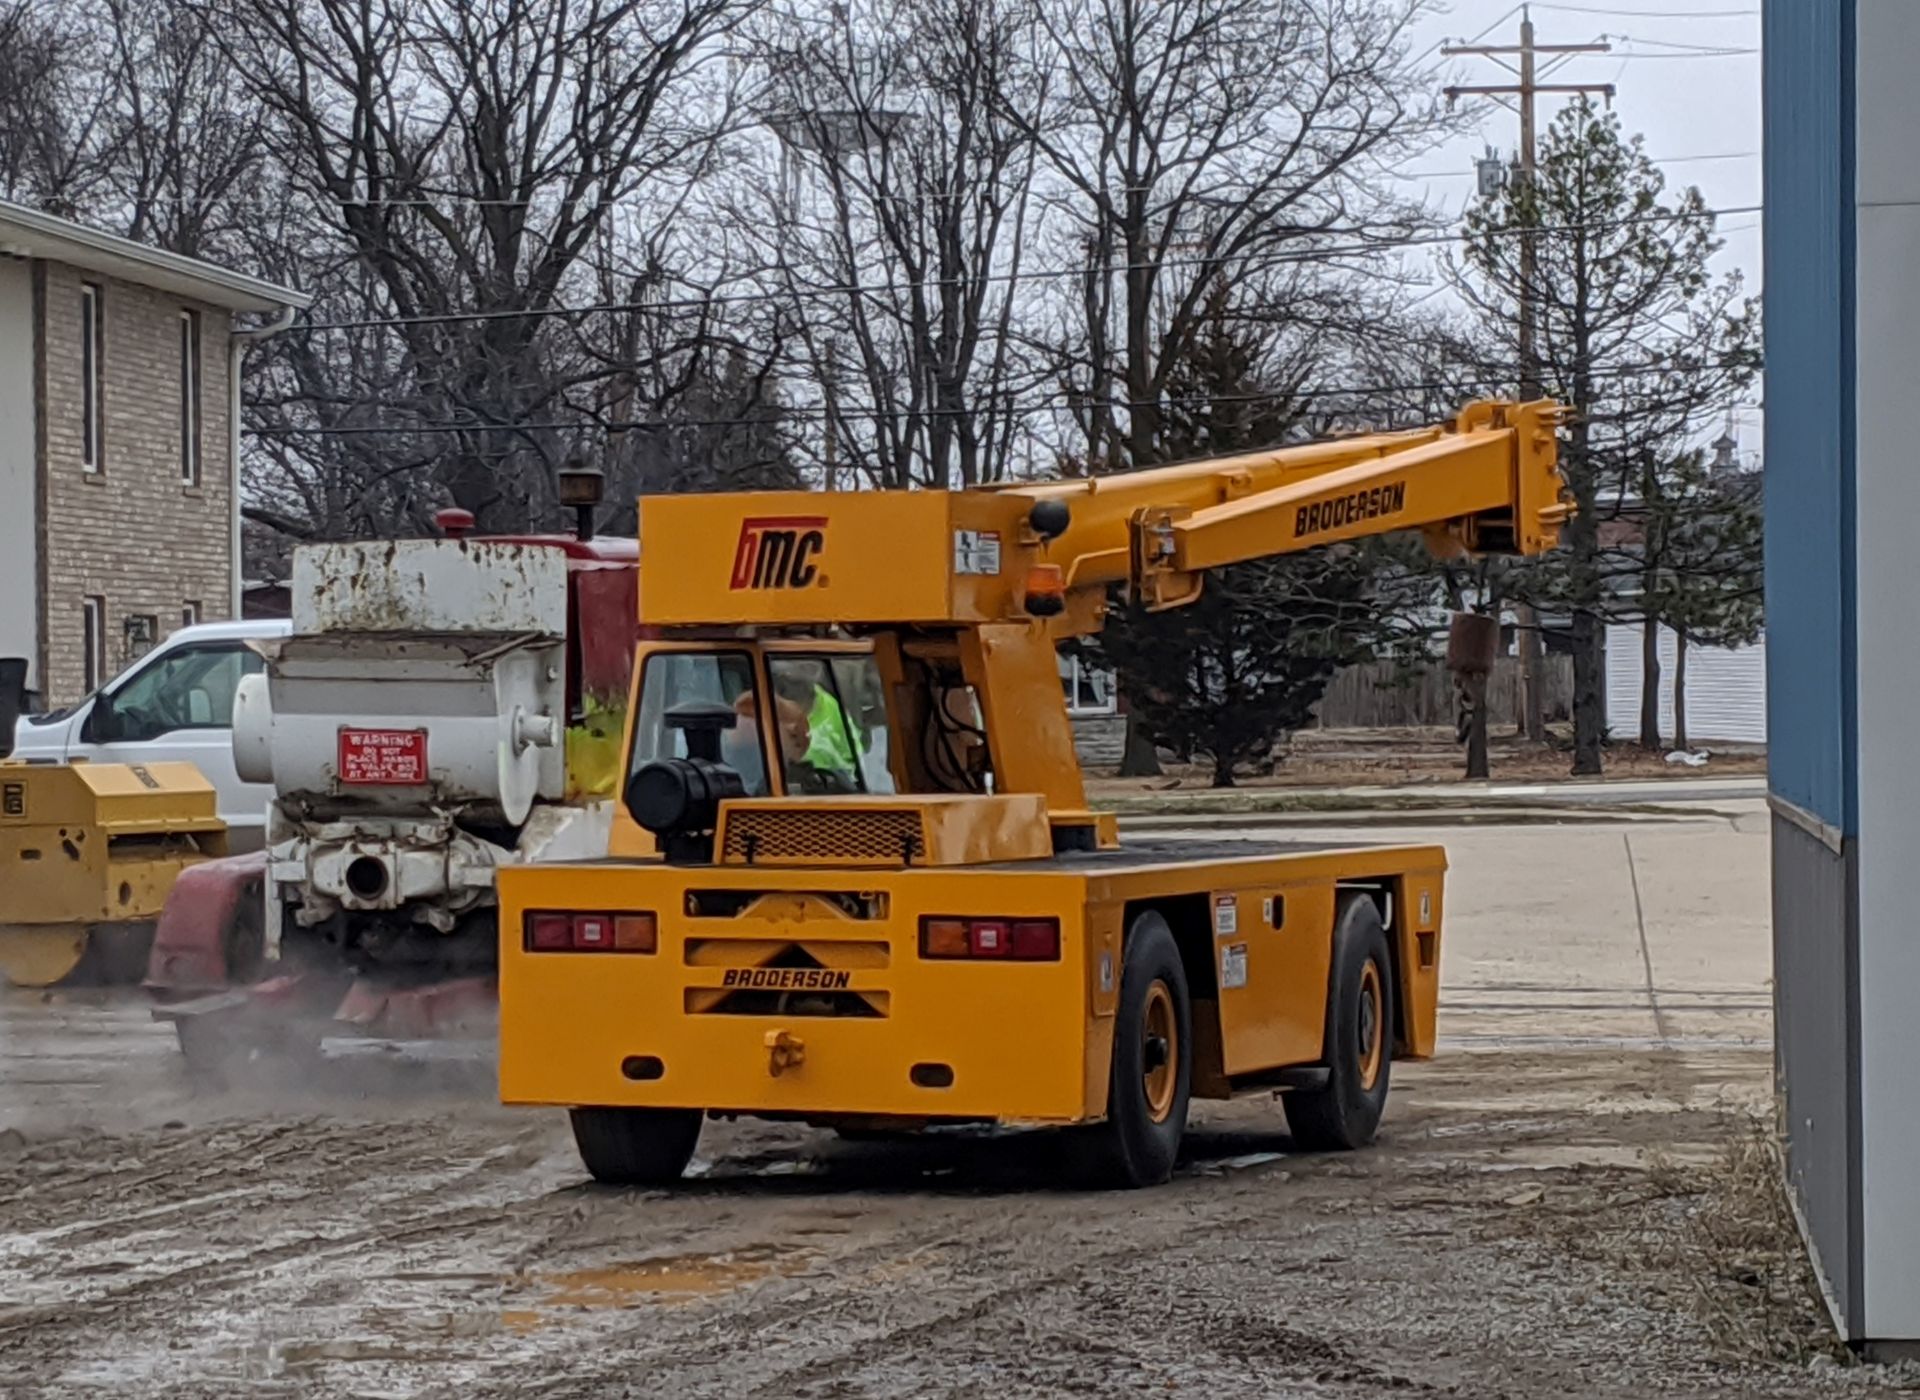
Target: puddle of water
[675, 1277]
[535, 1302]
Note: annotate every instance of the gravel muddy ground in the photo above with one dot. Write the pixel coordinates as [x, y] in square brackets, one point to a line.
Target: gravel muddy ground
[1570, 1222]
[1573, 1200]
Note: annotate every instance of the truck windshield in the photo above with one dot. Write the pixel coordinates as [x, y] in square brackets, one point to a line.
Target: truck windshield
[685, 677]
[833, 723]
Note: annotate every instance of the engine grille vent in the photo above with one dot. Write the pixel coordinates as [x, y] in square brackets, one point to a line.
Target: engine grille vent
[827, 836]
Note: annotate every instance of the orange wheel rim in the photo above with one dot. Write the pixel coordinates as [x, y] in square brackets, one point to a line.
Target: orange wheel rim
[1160, 1047]
[1372, 1029]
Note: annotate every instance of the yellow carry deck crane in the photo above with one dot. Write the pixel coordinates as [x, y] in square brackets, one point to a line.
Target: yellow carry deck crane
[879, 897]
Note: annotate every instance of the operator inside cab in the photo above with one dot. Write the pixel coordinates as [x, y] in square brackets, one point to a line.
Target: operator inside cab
[827, 711]
[800, 685]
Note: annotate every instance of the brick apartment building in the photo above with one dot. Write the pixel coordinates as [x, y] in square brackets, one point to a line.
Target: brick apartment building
[119, 385]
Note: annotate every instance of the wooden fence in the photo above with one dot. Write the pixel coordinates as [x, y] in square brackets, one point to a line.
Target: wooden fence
[1391, 695]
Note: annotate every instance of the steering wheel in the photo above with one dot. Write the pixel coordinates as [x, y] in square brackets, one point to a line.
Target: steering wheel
[822, 782]
[138, 722]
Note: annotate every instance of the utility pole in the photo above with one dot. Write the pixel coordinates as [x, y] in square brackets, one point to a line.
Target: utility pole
[1533, 708]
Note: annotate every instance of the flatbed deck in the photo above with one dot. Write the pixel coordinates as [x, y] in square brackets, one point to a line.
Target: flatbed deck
[1145, 854]
[1150, 854]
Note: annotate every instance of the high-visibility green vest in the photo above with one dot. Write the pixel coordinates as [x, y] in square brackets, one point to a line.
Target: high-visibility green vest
[830, 744]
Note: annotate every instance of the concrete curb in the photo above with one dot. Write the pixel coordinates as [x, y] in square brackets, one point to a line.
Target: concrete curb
[1643, 799]
[1614, 815]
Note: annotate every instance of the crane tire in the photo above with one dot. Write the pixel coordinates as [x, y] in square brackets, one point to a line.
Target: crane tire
[1152, 1075]
[1358, 1046]
[636, 1146]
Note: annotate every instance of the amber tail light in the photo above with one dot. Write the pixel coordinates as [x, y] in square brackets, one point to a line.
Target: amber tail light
[567, 931]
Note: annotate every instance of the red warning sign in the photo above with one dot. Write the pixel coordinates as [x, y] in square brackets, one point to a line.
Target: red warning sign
[383, 757]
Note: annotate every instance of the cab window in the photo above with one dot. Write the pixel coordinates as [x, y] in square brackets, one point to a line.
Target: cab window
[833, 722]
[674, 678]
[191, 688]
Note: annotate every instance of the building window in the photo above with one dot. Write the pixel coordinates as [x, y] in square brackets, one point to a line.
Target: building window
[189, 614]
[93, 328]
[1089, 690]
[189, 398]
[93, 640]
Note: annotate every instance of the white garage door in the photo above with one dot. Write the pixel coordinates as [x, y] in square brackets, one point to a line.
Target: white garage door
[1726, 689]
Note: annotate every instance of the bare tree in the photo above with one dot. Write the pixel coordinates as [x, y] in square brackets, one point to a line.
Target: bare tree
[1194, 139]
[127, 117]
[52, 108]
[896, 229]
[187, 142]
[469, 159]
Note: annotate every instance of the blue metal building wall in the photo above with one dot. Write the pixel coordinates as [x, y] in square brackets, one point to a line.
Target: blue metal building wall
[1809, 76]
[1808, 68]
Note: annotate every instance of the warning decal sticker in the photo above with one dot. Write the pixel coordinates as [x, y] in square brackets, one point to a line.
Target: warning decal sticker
[1233, 965]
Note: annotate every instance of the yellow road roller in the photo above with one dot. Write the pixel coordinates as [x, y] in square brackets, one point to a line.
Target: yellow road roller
[88, 852]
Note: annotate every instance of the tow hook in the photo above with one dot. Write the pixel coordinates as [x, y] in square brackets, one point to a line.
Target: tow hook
[785, 1051]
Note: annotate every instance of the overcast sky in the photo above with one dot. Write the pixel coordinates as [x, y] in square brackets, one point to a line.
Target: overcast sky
[1687, 77]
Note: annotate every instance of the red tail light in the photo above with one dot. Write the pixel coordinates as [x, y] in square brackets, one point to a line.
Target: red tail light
[1008, 940]
[551, 931]
[1036, 940]
[990, 938]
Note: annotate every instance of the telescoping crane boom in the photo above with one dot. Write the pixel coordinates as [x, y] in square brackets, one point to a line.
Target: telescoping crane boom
[874, 889]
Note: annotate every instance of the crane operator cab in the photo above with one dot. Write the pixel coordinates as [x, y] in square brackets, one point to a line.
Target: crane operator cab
[818, 712]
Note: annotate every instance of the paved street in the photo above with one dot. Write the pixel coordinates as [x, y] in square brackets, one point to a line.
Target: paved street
[1637, 936]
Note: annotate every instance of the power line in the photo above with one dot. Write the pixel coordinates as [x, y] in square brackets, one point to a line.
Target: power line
[1441, 42]
[1677, 44]
[1363, 249]
[1026, 408]
[1619, 13]
[1657, 160]
[442, 199]
[1627, 55]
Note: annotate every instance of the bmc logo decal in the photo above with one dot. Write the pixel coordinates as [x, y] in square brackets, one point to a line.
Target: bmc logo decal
[779, 551]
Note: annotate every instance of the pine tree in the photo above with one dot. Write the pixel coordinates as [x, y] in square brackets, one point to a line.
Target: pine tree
[1227, 677]
[1635, 334]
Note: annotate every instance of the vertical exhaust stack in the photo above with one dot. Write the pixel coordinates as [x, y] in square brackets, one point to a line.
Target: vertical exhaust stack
[581, 487]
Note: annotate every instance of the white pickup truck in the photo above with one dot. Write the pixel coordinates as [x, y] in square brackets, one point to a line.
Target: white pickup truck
[174, 703]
